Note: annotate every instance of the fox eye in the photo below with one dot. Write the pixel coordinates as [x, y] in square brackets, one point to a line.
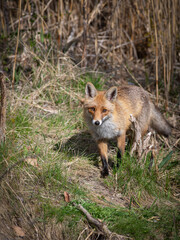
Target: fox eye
[92, 109]
[104, 110]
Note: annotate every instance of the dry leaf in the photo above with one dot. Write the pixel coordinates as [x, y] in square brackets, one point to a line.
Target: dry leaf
[66, 197]
[18, 231]
[32, 161]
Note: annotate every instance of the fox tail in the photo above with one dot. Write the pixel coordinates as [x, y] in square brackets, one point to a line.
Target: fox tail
[159, 123]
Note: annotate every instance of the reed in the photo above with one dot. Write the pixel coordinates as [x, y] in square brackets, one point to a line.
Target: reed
[98, 32]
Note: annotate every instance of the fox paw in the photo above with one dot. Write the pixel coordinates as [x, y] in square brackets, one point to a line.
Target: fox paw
[105, 172]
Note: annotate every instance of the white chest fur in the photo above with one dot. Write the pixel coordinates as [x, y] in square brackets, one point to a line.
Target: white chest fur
[107, 130]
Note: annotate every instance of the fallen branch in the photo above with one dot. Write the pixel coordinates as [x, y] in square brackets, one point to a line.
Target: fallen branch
[101, 226]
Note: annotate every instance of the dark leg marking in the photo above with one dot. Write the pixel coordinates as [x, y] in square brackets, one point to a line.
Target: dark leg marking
[119, 158]
[105, 171]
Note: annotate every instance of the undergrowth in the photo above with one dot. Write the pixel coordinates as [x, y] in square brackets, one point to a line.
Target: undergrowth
[139, 223]
[145, 178]
[46, 131]
[32, 137]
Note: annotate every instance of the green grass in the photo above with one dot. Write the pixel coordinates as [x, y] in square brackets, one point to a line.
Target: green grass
[140, 223]
[19, 126]
[134, 178]
[88, 77]
[57, 139]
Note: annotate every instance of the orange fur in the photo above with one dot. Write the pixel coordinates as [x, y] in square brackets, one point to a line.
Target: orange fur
[107, 115]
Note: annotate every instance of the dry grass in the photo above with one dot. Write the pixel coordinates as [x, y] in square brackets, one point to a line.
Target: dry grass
[102, 34]
[62, 39]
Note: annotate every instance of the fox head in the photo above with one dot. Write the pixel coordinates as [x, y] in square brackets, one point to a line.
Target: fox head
[99, 105]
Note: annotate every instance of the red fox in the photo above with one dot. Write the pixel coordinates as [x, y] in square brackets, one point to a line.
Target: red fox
[107, 115]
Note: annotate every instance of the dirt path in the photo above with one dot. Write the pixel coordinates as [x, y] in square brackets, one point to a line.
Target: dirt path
[88, 177]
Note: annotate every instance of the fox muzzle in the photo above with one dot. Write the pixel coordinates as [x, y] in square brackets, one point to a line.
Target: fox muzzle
[97, 122]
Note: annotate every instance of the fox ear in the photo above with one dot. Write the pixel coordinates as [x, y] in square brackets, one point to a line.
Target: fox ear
[111, 94]
[90, 90]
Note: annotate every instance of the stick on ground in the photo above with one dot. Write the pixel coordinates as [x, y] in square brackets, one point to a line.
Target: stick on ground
[100, 226]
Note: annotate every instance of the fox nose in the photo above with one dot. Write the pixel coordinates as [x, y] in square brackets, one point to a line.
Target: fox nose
[97, 122]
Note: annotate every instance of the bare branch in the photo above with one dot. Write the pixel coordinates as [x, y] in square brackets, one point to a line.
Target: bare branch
[101, 226]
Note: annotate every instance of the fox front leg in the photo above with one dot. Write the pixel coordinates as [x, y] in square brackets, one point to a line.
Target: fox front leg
[121, 148]
[103, 150]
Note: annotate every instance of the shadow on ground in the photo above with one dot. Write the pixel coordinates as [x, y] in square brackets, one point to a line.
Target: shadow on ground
[80, 144]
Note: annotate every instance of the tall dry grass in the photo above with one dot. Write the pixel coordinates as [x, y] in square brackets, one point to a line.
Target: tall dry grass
[102, 34]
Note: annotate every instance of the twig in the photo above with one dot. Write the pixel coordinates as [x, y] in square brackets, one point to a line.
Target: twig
[136, 81]
[86, 228]
[132, 43]
[175, 144]
[90, 234]
[164, 140]
[100, 225]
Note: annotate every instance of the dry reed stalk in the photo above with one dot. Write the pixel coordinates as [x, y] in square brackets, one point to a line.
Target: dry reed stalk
[98, 31]
[155, 12]
[85, 20]
[42, 15]
[17, 43]
[96, 45]
[113, 30]
[2, 109]
[132, 35]
[3, 17]
[58, 21]
[165, 23]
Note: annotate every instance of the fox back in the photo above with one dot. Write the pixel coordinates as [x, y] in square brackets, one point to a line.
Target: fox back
[107, 113]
